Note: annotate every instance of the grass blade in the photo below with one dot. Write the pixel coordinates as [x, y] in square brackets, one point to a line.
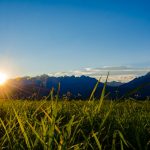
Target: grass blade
[97, 141]
[102, 94]
[23, 130]
[6, 132]
[92, 94]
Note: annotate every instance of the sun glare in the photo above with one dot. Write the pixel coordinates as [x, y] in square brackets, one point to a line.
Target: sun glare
[3, 78]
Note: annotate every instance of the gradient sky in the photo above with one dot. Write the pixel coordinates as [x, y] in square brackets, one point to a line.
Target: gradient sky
[47, 36]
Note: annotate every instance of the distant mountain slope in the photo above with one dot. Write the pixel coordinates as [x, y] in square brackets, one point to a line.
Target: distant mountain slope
[114, 83]
[138, 81]
[138, 88]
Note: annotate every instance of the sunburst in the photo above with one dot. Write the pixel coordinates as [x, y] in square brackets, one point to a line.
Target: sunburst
[3, 78]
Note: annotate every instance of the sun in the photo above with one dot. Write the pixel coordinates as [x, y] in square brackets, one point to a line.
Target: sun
[3, 78]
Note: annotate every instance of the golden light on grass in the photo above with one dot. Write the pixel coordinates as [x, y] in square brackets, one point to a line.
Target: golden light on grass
[3, 78]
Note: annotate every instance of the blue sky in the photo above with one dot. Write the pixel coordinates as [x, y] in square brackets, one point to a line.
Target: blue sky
[46, 36]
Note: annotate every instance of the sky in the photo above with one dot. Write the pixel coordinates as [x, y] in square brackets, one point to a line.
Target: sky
[75, 37]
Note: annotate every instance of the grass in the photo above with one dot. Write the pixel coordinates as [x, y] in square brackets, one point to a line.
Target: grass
[74, 125]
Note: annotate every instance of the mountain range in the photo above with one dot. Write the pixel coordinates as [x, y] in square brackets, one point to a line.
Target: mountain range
[71, 87]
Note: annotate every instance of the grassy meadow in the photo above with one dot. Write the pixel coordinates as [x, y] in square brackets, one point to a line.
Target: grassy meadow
[74, 124]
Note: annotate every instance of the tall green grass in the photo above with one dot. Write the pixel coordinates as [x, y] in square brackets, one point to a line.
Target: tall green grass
[74, 125]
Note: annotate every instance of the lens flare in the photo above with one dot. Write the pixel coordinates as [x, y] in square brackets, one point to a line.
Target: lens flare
[3, 78]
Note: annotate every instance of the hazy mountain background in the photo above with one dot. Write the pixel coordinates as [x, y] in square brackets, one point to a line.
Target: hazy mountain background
[73, 87]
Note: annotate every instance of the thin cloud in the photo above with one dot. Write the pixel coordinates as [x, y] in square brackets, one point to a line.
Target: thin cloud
[117, 73]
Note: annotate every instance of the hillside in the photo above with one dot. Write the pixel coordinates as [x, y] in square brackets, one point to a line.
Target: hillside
[138, 88]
